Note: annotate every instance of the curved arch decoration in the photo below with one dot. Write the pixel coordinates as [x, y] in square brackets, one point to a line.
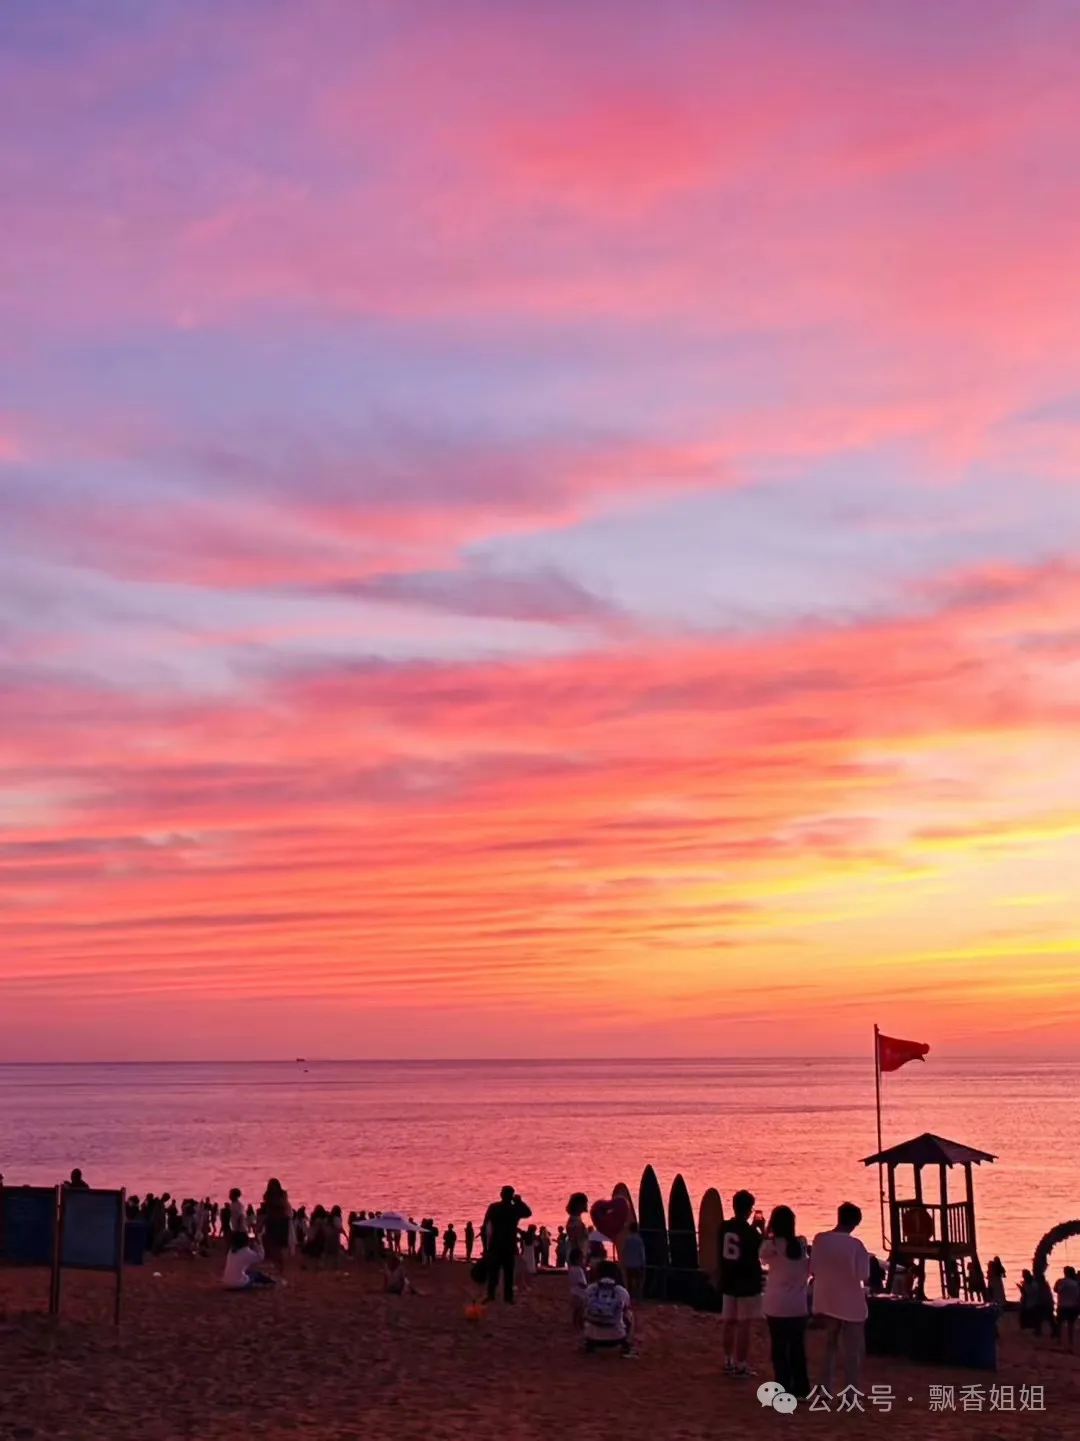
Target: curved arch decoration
[1064, 1231]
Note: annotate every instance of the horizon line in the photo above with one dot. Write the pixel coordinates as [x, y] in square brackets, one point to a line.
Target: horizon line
[505, 1060]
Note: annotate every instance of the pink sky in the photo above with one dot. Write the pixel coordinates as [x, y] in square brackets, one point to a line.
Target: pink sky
[545, 532]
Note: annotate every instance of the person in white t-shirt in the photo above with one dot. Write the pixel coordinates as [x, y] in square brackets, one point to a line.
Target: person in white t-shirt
[242, 1256]
[785, 1299]
[840, 1265]
[237, 1211]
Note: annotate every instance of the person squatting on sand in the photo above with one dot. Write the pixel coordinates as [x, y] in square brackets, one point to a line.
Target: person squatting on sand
[242, 1257]
[609, 1319]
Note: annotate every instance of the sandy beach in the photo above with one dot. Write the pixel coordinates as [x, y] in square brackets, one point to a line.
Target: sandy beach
[332, 1358]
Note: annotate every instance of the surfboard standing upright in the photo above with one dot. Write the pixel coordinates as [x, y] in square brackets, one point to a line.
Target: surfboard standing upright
[653, 1225]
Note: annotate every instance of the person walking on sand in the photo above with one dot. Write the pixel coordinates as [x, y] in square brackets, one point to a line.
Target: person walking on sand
[840, 1264]
[449, 1242]
[500, 1231]
[785, 1300]
[740, 1283]
[470, 1239]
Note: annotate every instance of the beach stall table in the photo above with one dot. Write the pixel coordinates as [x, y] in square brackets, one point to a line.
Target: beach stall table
[928, 1227]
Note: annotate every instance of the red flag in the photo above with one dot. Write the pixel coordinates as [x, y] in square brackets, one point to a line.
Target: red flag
[892, 1054]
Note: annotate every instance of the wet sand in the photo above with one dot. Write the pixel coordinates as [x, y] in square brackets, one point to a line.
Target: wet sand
[332, 1358]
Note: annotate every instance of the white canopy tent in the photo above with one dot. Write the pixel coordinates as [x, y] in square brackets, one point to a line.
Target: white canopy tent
[388, 1221]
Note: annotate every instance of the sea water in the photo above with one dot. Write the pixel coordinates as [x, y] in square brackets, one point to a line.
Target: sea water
[439, 1138]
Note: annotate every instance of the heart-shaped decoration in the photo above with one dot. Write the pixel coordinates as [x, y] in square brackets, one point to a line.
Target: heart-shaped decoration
[610, 1217]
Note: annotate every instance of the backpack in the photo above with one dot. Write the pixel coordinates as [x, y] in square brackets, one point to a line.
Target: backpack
[603, 1307]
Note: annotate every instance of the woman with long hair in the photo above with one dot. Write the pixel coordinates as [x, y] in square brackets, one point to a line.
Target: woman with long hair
[276, 1224]
[785, 1300]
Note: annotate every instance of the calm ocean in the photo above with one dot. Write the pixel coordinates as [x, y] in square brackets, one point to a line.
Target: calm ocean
[439, 1138]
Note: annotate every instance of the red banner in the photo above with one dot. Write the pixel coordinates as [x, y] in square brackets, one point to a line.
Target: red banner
[892, 1054]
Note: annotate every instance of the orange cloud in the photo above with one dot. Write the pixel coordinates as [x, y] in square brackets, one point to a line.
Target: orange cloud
[506, 835]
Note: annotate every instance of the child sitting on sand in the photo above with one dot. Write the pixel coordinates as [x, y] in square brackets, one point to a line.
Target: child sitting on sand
[242, 1256]
[396, 1281]
[579, 1284]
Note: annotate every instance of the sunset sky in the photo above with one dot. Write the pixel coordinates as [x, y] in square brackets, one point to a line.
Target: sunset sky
[538, 529]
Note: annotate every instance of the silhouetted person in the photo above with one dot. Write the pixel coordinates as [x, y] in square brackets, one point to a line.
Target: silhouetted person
[429, 1240]
[995, 1282]
[500, 1232]
[1068, 1304]
[876, 1283]
[741, 1282]
[976, 1283]
[470, 1239]
[77, 1183]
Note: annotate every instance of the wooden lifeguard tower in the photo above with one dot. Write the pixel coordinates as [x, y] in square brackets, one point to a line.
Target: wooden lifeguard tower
[922, 1229]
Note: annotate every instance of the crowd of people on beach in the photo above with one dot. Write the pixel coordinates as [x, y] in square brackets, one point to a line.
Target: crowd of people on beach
[765, 1269]
[189, 1226]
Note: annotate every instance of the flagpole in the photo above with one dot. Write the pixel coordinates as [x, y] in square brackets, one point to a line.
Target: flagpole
[877, 1096]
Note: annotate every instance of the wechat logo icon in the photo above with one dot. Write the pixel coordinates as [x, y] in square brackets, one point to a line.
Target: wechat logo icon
[771, 1393]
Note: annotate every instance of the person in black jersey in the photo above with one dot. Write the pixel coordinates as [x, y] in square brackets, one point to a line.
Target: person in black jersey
[740, 1282]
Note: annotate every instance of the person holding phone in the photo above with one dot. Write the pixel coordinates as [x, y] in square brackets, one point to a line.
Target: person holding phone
[785, 1302]
[740, 1282]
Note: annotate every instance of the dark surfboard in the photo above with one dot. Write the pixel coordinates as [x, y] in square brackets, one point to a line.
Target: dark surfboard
[653, 1226]
[710, 1219]
[682, 1232]
[623, 1190]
